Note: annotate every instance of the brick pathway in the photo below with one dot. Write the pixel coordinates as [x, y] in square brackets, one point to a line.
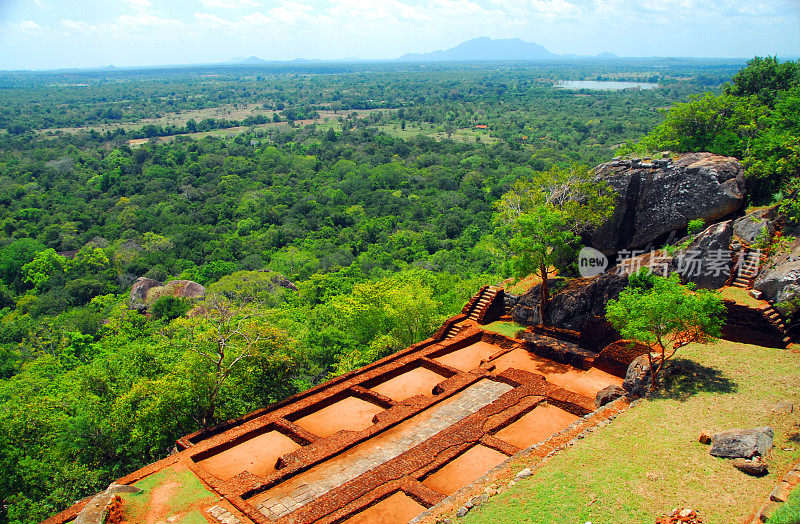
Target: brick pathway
[336, 472]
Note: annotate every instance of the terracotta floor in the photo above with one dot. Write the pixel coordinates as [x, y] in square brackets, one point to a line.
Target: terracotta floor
[468, 358]
[586, 383]
[465, 468]
[350, 413]
[359, 459]
[539, 424]
[418, 381]
[257, 455]
[396, 509]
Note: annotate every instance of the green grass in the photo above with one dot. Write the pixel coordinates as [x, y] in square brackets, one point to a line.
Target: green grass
[507, 329]
[740, 296]
[649, 461]
[185, 492]
[788, 513]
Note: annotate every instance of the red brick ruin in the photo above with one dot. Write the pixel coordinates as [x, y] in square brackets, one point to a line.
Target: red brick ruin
[387, 441]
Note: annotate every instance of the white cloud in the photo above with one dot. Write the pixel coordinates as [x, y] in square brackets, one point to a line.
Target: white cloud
[291, 13]
[139, 5]
[29, 27]
[243, 25]
[229, 4]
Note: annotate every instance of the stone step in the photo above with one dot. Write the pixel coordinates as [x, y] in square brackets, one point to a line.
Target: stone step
[787, 340]
[739, 284]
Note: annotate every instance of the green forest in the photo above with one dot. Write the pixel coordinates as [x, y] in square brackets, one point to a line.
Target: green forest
[368, 186]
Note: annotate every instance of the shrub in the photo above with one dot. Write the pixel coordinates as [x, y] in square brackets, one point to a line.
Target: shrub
[169, 308]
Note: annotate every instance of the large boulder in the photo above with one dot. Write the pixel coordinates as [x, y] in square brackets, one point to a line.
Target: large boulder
[742, 443]
[186, 289]
[138, 298]
[751, 226]
[145, 291]
[707, 260]
[575, 302]
[779, 280]
[656, 200]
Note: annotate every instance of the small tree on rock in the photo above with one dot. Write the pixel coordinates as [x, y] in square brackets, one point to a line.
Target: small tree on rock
[541, 218]
[665, 315]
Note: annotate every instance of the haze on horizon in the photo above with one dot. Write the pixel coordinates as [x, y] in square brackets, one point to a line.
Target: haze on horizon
[43, 34]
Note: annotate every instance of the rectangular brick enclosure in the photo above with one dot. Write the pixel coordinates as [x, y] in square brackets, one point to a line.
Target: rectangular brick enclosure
[387, 441]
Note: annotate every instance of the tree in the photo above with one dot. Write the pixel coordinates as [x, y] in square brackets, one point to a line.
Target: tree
[665, 315]
[541, 220]
[222, 338]
[764, 77]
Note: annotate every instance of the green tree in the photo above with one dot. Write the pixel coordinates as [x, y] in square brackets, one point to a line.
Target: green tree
[665, 315]
[219, 343]
[540, 221]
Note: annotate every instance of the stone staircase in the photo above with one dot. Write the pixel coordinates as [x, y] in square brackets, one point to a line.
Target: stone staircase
[774, 317]
[480, 302]
[747, 265]
[454, 331]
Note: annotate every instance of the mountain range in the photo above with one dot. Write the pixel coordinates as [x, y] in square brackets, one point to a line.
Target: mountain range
[485, 48]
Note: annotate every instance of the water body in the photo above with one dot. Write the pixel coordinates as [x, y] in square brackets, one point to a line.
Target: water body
[604, 85]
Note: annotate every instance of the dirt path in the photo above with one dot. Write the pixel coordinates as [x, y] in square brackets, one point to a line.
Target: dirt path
[159, 500]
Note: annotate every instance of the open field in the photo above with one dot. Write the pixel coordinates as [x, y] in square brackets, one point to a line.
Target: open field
[435, 132]
[227, 112]
[649, 460]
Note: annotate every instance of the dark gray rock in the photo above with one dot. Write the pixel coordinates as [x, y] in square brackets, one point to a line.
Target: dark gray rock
[654, 203]
[608, 394]
[779, 280]
[510, 300]
[742, 443]
[752, 225]
[138, 298]
[280, 280]
[755, 466]
[637, 378]
[707, 260]
[574, 303]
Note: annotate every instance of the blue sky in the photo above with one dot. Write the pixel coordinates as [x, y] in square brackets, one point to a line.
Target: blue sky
[87, 33]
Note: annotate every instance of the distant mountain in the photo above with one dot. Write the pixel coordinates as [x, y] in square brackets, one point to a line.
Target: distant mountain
[607, 56]
[250, 60]
[485, 48]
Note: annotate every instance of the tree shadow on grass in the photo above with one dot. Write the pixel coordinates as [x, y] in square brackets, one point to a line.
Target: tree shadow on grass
[684, 378]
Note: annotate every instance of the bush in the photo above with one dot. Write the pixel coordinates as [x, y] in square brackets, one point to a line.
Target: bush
[213, 271]
[170, 308]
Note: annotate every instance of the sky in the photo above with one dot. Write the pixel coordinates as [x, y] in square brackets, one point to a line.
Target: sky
[42, 34]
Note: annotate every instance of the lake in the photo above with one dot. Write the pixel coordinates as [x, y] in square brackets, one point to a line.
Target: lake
[603, 85]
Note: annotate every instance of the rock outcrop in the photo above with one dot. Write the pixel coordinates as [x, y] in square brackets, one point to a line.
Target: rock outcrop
[753, 225]
[138, 298]
[145, 291]
[707, 260]
[579, 301]
[659, 199]
[779, 281]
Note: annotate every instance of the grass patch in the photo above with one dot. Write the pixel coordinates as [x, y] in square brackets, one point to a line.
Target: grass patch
[788, 513]
[173, 490]
[740, 296]
[507, 329]
[649, 461]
